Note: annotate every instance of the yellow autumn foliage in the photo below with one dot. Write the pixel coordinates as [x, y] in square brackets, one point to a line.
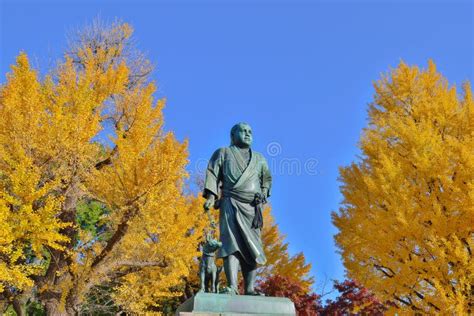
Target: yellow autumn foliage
[406, 225]
[90, 131]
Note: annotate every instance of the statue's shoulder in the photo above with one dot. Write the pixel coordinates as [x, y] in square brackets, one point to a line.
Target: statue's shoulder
[220, 152]
[223, 150]
[259, 156]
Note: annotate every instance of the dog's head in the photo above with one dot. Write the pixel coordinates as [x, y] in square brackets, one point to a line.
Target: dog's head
[211, 245]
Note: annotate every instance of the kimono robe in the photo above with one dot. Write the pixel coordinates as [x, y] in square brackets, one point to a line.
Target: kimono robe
[241, 180]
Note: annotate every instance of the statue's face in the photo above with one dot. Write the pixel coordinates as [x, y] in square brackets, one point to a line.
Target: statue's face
[243, 136]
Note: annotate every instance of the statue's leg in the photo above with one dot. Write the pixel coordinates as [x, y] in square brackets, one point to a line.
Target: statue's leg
[249, 272]
[231, 268]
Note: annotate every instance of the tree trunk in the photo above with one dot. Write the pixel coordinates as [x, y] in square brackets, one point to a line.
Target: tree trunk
[53, 305]
[18, 307]
[20, 302]
[3, 306]
[53, 308]
[52, 300]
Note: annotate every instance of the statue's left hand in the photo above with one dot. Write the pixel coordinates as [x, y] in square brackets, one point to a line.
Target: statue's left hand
[209, 202]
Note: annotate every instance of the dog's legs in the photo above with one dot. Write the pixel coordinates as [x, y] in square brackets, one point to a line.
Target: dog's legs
[213, 278]
[202, 275]
[216, 283]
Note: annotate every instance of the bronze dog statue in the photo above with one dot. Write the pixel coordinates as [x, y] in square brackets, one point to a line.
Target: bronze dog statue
[208, 270]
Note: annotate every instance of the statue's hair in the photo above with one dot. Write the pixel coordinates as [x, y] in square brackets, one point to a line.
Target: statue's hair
[234, 130]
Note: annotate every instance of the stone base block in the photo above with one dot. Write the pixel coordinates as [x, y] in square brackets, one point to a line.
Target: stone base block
[210, 304]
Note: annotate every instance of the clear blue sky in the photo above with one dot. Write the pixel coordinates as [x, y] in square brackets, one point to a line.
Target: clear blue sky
[299, 72]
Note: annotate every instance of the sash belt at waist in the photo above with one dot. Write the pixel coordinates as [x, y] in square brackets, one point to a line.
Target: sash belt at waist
[257, 200]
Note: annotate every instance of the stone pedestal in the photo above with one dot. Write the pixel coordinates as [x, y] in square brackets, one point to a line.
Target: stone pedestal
[209, 304]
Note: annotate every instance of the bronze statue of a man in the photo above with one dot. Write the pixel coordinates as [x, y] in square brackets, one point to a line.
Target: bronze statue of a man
[242, 180]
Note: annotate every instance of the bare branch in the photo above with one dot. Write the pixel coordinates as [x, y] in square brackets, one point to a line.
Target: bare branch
[142, 264]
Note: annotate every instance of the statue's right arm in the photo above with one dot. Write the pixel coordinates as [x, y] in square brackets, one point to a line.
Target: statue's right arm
[213, 176]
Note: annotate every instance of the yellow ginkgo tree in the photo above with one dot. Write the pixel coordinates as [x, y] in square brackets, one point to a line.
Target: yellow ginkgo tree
[91, 131]
[406, 225]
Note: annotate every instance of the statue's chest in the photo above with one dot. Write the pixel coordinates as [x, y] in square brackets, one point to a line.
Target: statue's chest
[232, 171]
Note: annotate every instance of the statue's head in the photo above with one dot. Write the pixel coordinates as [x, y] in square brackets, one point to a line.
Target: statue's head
[241, 135]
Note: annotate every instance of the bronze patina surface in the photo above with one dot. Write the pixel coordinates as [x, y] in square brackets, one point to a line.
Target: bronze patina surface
[238, 178]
